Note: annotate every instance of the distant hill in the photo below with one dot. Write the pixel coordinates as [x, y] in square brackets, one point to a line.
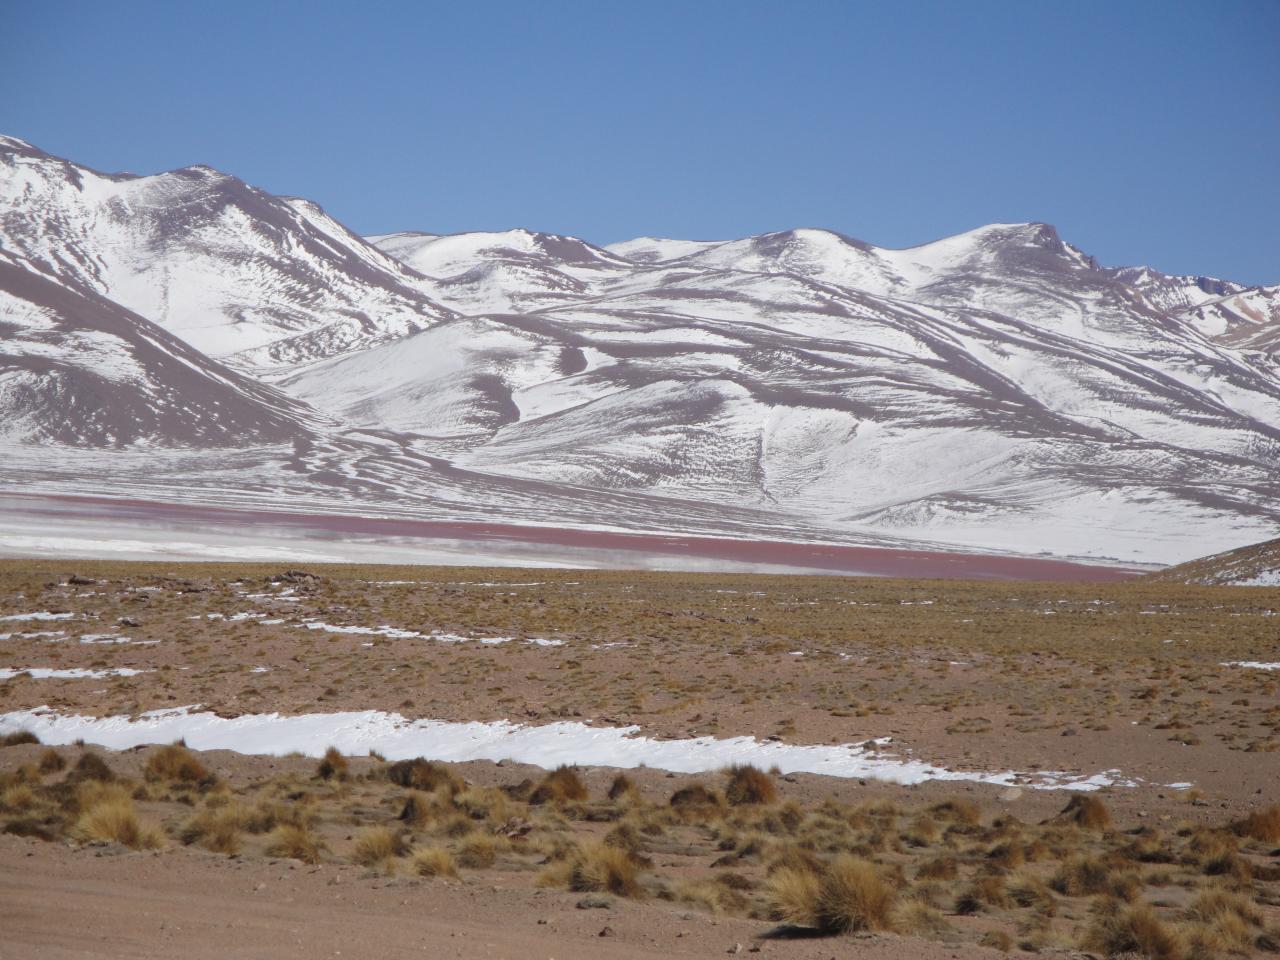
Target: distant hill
[1257, 565]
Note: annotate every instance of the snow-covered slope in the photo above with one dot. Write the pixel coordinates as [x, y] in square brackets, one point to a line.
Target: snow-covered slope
[77, 369]
[1248, 320]
[515, 270]
[233, 271]
[1257, 565]
[997, 389]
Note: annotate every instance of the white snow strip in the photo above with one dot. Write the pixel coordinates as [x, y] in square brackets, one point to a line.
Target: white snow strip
[75, 673]
[33, 634]
[41, 615]
[548, 746]
[1252, 664]
[397, 634]
[383, 631]
[104, 638]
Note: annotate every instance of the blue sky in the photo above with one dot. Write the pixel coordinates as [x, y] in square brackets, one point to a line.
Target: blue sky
[1147, 132]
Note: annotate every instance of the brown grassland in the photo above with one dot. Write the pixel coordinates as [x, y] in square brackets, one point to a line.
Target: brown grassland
[1066, 677]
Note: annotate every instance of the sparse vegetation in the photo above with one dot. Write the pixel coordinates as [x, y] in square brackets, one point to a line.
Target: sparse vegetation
[332, 765]
[1261, 825]
[295, 843]
[434, 862]
[560, 785]
[376, 847]
[748, 784]
[107, 813]
[1194, 876]
[175, 762]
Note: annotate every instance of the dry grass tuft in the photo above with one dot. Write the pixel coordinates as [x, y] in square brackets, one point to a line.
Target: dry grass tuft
[107, 814]
[695, 796]
[294, 842]
[958, 810]
[849, 894]
[434, 862]
[562, 784]
[748, 784]
[854, 895]
[478, 852]
[623, 786]
[1120, 930]
[90, 766]
[1263, 825]
[18, 798]
[1085, 810]
[420, 809]
[174, 762]
[997, 940]
[986, 890]
[919, 918]
[1086, 876]
[420, 774]
[600, 868]
[376, 846]
[332, 765]
[51, 761]
[1212, 905]
[17, 738]
[217, 828]
[939, 868]
[794, 891]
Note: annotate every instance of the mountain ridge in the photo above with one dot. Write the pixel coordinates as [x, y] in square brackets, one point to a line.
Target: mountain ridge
[995, 390]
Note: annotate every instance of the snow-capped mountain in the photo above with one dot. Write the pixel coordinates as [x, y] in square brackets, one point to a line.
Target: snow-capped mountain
[233, 271]
[78, 369]
[998, 389]
[1247, 318]
[517, 270]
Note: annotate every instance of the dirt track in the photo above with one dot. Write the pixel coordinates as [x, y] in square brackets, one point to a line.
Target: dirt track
[61, 904]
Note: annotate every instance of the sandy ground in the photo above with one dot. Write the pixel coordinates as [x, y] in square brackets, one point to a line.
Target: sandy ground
[58, 903]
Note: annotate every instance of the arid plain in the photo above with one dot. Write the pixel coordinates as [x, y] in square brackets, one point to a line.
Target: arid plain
[936, 767]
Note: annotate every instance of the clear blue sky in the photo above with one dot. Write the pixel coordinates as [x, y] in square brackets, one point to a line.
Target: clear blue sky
[1147, 132]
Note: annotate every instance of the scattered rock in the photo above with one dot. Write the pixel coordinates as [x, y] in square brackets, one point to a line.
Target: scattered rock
[77, 580]
[606, 932]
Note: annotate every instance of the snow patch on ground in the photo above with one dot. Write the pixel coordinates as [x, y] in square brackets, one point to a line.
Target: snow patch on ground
[75, 673]
[395, 633]
[1252, 664]
[548, 746]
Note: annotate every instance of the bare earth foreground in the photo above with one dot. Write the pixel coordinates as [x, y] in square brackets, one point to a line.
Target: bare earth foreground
[953, 833]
